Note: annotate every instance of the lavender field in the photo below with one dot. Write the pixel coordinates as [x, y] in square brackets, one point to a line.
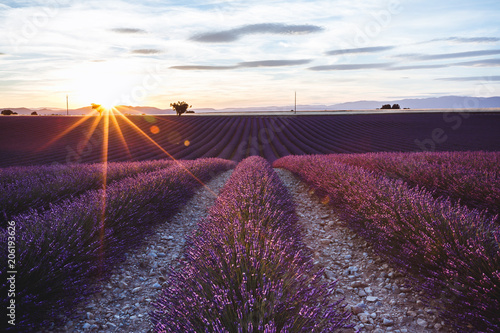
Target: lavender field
[25, 140]
[431, 215]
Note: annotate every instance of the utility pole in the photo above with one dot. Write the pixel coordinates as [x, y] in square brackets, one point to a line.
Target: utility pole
[67, 106]
[295, 102]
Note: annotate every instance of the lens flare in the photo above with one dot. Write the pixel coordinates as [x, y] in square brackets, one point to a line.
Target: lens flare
[154, 129]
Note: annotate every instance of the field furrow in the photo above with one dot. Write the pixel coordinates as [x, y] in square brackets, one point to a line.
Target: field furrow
[66, 249]
[24, 140]
[450, 250]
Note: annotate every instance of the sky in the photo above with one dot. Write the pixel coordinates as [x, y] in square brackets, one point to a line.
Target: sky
[224, 54]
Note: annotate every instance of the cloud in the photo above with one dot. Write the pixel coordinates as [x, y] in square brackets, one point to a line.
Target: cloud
[203, 68]
[262, 28]
[392, 67]
[360, 50]
[274, 63]
[471, 78]
[467, 40]
[145, 51]
[398, 68]
[454, 55]
[351, 67]
[248, 64]
[128, 31]
[481, 63]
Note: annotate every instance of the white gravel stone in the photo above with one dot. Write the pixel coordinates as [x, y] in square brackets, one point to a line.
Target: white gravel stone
[421, 322]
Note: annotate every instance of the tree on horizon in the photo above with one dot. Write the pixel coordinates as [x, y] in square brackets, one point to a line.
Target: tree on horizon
[98, 108]
[180, 107]
[8, 112]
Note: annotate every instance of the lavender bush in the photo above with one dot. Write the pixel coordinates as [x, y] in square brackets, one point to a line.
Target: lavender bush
[452, 251]
[246, 268]
[62, 252]
[24, 188]
[473, 178]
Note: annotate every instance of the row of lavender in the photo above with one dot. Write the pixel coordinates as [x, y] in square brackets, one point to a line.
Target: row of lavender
[63, 251]
[24, 188]
[471, 177]
[246, 268]
[451, 251]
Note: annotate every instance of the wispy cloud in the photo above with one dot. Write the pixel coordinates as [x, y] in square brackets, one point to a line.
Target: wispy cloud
[248, 64]
[454, 55]
[202, 68]
[351, 67]
[263, 28]
[145, 51]
[466, 40]
[274, 63]
[401, 68]
[471, 78]
[360, 50]
[393, 67]
[128, 31]
[481, 63]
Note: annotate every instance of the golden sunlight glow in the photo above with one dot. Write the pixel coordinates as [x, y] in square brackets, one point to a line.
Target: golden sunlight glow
[104, 83]
[108, 106]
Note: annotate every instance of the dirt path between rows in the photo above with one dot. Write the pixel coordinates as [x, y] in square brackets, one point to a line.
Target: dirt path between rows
[125, 301]
[374, 292]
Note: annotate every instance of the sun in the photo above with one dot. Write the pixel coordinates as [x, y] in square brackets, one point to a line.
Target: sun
[108, 105]
[103, 83]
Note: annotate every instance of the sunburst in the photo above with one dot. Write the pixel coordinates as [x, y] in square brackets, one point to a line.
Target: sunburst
[109, 116]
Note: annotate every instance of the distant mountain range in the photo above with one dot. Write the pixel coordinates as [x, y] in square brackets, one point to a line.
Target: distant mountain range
[445, 102]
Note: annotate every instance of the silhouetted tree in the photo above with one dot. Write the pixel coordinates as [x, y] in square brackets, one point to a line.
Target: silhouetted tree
[180, 107]
[34, 113]
[8, 112]
[98, 108]
[386, 106]
[396, 106]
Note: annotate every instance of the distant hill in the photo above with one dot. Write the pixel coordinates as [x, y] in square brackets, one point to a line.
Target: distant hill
[444, 102]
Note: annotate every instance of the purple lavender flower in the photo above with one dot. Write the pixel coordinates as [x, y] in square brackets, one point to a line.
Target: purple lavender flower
[246, 268]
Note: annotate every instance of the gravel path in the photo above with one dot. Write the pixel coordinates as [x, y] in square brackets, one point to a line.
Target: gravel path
[125, 301]
[374, 292]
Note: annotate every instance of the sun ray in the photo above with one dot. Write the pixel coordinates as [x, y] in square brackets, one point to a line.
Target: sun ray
[105, 146]
[138, 130]
[66, 131]
[120, 133]
[91, 131]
